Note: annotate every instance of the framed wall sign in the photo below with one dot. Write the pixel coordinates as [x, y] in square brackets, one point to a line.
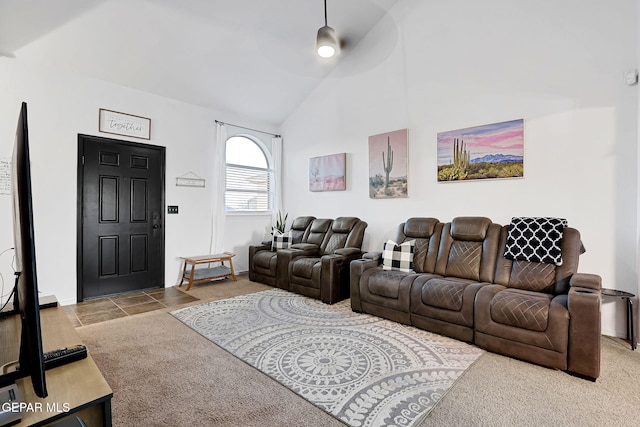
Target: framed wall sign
[124, 124]
[190, 180]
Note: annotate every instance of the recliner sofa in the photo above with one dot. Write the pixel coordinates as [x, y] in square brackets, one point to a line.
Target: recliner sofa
[263, 259]
[322, 271]
[317, 263]
[463, 286]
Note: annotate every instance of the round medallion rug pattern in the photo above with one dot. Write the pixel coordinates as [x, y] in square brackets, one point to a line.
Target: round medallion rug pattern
[363, 370]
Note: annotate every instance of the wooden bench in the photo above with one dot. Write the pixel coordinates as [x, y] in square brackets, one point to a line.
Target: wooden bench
[207, 274]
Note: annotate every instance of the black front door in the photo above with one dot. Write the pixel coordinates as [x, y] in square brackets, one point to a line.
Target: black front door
[120, 216]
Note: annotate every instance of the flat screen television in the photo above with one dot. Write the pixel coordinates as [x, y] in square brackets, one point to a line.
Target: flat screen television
[31, 358]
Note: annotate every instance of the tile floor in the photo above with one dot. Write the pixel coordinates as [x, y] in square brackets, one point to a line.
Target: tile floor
[100, 310]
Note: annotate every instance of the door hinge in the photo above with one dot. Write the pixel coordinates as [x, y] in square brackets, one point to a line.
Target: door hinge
[82, 160]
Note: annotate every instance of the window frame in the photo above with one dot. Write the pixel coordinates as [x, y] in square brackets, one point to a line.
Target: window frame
[270, 172]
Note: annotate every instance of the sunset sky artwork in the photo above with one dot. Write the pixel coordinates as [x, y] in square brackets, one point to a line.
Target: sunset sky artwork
[487, 141]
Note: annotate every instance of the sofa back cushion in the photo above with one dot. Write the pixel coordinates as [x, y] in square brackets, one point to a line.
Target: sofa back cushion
[318, 231]
[346, 232]
[426, 234]
[468, 249]
[300, 228]
[538, 276]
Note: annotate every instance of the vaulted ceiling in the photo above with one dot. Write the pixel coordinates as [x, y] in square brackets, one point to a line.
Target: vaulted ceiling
[251, 58]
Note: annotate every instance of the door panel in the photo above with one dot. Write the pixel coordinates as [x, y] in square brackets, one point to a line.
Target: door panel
[121, 238]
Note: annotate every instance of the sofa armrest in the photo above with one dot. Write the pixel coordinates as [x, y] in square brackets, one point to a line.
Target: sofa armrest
[377, 256]
[588, 281]
[264, 246]
[584, 328]
[252, 251]
[356, 268]
[312, 248]
[349, 252]
[334, 279]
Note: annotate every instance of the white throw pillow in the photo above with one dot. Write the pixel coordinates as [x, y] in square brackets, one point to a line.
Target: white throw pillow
[281, 240]
[398, 257]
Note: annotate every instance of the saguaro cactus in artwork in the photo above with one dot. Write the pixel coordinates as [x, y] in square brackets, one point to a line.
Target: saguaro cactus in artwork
[461, 157]
[388, 164]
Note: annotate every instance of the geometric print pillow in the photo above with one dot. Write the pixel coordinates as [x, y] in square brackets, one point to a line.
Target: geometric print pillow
[535, 239]
[398, 257]
[281, 240]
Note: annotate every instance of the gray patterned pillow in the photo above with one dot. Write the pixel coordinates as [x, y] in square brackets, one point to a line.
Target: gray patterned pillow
[535, 239]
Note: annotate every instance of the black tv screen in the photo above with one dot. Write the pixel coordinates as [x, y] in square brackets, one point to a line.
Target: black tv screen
[31, 359]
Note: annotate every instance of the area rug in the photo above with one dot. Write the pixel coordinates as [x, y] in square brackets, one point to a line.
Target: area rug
[363, 370]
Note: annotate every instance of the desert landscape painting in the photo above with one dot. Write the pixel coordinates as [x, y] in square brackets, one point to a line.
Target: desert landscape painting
[482, 152]
[327, 173]
[388, 165]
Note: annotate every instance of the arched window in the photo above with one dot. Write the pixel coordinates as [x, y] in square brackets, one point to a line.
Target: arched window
[248, 176]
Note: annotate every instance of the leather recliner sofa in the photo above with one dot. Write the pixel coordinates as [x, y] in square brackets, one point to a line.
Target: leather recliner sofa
[263, 259]
[322, 271]
[463, 286]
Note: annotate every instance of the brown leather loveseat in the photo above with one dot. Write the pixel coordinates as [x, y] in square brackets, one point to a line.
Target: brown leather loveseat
[460, 284]
[317, 262]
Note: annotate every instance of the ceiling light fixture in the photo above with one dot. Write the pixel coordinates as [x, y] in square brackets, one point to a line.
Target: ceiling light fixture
[327, 40]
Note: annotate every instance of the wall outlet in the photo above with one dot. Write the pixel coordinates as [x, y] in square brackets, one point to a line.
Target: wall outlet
[172, 209]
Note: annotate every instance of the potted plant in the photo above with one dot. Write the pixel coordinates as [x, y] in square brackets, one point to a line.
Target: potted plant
[281, 223]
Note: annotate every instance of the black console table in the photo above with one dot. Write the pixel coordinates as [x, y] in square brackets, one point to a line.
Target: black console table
[628, 296]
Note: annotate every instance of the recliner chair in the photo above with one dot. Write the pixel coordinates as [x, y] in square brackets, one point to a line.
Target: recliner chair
[262, 259]
[324, 274]
[543, 313]
[466, 262]
[385, 293]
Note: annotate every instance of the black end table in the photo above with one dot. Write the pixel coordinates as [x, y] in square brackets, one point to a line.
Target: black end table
[628, 296]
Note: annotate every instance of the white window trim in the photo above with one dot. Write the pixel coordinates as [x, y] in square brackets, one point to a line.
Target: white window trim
[267, 154]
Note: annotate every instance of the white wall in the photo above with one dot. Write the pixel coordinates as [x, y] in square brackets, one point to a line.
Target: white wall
[61, 106]
[456, 64]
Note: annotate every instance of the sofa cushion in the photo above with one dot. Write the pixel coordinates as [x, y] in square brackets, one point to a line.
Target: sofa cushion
[470, 228]
[344, 224]
[521, 309]
[303, 267]
[532, 276]
[386, 283]
[464, 260]
[444, 293]
[535, 239]
[398, 257]
[281, 240]
[420, 227]
[264, 259]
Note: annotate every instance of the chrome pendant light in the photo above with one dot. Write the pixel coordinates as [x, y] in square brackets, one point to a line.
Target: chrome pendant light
[327, 40]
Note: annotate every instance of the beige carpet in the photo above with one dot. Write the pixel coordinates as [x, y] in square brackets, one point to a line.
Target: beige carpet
[164, 374]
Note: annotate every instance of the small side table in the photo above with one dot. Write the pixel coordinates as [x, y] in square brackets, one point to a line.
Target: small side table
[628, 296]
[198, 275]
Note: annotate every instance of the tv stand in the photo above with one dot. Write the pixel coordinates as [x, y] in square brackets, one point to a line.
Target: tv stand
[47, 301]
[75, 389]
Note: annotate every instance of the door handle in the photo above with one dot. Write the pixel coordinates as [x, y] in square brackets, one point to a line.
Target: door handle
[156, 226]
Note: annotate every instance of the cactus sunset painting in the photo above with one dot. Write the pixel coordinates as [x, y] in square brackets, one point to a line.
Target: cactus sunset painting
[388, 165]
[482, 152]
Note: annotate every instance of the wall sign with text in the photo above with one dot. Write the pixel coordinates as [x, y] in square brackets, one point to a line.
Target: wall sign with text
[124, 124]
